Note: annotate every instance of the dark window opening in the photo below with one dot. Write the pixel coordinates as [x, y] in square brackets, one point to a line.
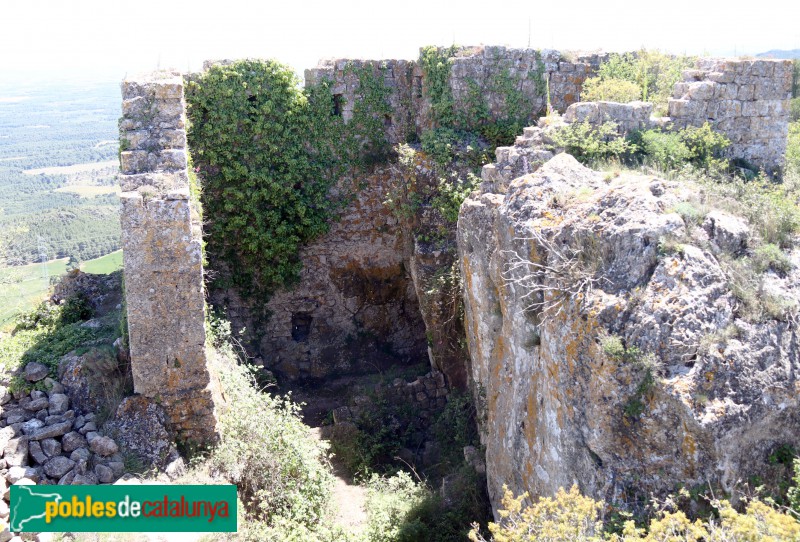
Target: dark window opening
[338, 101]
[301, 326]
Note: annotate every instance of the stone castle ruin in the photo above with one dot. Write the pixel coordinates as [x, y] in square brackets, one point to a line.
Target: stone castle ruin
[162, 240]
[364, 287]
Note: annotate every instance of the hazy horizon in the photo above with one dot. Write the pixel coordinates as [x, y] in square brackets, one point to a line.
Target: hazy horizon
[96, 40]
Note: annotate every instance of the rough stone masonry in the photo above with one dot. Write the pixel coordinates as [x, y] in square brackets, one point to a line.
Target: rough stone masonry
[162, 247]
[747, 100]
[361, 286]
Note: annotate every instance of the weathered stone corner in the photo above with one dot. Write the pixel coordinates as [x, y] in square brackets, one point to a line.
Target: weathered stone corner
[747, 100]
[162, 247]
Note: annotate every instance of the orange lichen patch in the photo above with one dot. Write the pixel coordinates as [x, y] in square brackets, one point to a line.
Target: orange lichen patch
[173, 379]
[533, 255]
[689, 449]
[499, 352]
[550, 220]
[577, 342]
[532, 413]
[552, 371]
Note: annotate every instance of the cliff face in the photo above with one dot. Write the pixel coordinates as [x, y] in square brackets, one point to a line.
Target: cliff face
[604, 354]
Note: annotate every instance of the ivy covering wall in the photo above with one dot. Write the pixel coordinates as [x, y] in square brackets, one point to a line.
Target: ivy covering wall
[474, 115]
[268, 154]
[276, 161]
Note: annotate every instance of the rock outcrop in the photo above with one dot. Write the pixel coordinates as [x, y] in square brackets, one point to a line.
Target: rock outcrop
[606, 354]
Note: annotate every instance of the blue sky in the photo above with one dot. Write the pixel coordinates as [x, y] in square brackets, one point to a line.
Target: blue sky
[49, 38]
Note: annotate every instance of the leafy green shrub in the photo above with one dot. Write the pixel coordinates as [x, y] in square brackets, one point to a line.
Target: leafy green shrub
[53, 345]
[771, 256]
[48, 333]
[705, 146]
[671, 150]
[769, 207]
[402, 510]
[519, 109]
[588, 143]
[445, 145]
[614, 348]
[436, 64]
[652, 72]
[265, 449]
[794, 492]
[455, 427]
[281, 529]
[44, 315]
[75, 309]
[501, 132]
[439, 143]
[793, 147]
[666, 149]
[376, 436]
[780, 220]
[389, 501]
[596, 89]
[452, 193]
[265, 183]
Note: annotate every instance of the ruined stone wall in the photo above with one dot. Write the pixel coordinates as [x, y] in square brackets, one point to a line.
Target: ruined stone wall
[427, 393]
[529, 70]
[492, 75]
[356, 306]
[354, 309]
[401, 77]
[161, 241]
[629, 117]
[747, 100]
[500, 78]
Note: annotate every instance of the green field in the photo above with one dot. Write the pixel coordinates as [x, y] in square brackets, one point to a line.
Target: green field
[23, 287]
[104, 264]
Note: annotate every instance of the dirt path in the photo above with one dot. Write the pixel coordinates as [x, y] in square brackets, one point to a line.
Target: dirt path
[348, 496]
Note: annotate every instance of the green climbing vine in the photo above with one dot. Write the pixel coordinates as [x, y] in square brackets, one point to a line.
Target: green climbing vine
[268, 152]
[436, 63]
[370, 112]
[473, 113]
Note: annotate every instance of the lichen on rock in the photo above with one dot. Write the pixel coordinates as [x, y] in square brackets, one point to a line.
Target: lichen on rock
[568, 257]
